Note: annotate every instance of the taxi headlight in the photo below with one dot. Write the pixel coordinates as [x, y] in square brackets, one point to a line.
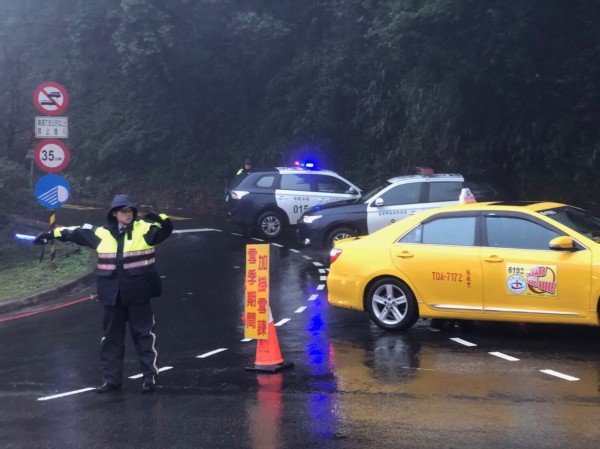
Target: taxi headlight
[310, 218]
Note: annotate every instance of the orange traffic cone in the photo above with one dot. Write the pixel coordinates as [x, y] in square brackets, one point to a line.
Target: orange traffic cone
[268, 355]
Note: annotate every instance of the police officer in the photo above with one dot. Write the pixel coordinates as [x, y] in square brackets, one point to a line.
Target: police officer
[247, 168]
[126, 280]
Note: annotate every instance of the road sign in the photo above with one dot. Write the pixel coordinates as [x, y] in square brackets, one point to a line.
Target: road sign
[50, 98]
[52, 127]
[51, 155]
[52, 191]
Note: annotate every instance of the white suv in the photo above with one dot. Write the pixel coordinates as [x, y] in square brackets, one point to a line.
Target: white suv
[396, 199]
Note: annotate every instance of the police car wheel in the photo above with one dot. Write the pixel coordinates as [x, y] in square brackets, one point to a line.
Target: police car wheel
[270, 225]
[339, 234]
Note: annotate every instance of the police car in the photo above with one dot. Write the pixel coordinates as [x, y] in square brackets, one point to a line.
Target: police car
[396, 199]
[268, 201]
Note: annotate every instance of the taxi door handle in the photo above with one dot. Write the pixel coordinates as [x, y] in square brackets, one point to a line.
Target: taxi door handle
[405, 255]
[493, 259]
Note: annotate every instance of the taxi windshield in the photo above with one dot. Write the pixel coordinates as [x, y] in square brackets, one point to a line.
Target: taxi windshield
[577, 219]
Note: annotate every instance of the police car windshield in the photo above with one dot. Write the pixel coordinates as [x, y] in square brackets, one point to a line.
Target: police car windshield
[371, 193]
[577, 219]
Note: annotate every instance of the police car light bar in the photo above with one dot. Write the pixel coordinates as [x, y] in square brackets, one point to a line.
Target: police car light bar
[305, 164]
[426, 171]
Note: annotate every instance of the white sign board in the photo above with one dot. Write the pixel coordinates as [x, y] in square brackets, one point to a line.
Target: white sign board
[52, 127]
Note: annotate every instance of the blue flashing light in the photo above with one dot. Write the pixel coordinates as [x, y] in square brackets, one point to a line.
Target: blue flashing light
[309, 165]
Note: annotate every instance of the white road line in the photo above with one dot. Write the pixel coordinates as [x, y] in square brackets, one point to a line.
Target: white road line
[561, 375]
[62, 395]
[236, 234]
[245, 340]
[463, 342]
[320, 287]
[300, 309]
[185, 231]
[208, 354]
[307, 257]
[277, 245]
[504, 356]
[322, 278]
[322, 270]
[282, 322]
[317, 264]
[257, 240]
[313, 297]
[294, 250]
[160, 370]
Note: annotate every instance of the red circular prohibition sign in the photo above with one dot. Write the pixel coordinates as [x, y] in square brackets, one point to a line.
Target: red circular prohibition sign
[50, 98]
[51, 155]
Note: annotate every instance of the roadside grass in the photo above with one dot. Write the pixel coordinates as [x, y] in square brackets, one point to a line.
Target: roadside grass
[22, 273]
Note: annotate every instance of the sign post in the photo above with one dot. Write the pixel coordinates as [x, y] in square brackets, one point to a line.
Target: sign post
[51, 155]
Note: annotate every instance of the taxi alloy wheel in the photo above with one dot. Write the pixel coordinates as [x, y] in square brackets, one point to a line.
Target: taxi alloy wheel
[339, 234]
[270, 225]
[391, 304]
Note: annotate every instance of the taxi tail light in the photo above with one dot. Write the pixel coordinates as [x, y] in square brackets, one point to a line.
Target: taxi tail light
[334, 254]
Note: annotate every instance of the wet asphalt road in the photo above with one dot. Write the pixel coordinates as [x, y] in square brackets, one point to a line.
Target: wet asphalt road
[352, 386]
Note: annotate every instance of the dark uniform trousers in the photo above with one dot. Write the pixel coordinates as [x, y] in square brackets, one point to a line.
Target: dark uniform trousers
[141, 327]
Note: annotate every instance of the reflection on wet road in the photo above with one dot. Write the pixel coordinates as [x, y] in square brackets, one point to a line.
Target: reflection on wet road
[353, 385]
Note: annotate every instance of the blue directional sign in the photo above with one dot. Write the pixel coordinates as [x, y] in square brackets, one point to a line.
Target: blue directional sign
[52, 191]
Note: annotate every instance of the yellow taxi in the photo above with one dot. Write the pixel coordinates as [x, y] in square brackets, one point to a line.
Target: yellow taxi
[499, 261]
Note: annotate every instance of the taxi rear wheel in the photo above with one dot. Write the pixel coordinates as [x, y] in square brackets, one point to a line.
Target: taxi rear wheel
[339, 234]
[391, 304]
[270, 225]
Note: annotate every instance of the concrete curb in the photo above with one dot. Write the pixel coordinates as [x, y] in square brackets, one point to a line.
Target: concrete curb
[82, 285]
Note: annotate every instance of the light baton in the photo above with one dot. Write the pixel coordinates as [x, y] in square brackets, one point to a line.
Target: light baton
[25, 237]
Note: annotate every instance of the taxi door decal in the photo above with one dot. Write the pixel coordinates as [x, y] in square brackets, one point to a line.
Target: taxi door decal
[531, 280]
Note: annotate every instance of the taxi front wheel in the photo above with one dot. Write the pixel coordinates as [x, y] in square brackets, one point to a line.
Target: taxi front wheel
[391, 304]
[270, 225]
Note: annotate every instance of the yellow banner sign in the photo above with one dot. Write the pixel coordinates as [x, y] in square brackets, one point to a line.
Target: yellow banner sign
[256, 302]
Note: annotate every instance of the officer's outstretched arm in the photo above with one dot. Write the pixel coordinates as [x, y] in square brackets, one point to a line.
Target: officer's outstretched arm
[161, 229]
[81, 235]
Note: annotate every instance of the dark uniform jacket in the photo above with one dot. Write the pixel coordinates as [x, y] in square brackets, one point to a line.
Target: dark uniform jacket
[126, 262]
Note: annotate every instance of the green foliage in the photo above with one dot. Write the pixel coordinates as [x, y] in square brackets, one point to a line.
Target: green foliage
[168, 98]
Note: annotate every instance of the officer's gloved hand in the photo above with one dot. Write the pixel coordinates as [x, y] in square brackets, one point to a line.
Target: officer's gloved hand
[43, 237]
[152, 217]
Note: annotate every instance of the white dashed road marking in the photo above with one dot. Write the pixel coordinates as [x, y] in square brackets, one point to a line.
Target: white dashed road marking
[463, 342]
[510, 358]
[561, 375]
[320, 287]
[282, 322]
[313, 297]
[69, 393]
[186, 231]
[300, 309]
[208, 354]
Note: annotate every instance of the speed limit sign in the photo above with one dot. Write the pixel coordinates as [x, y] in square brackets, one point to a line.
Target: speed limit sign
[51, 155]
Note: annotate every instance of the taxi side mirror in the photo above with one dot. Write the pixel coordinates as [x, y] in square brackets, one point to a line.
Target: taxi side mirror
[563, 243]
[378, 202]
